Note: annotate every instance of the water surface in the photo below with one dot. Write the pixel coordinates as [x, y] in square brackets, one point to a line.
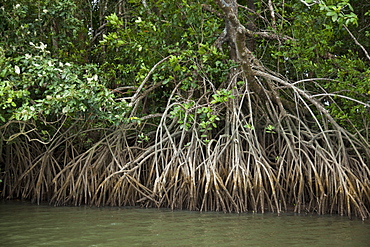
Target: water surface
[25, 224]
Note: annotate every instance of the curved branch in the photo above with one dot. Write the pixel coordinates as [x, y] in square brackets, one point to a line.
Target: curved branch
[135, 97]
[357, 43]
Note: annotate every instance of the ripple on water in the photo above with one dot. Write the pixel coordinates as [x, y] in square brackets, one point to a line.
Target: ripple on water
[25, 224]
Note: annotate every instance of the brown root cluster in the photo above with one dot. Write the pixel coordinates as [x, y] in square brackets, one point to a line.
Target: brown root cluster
[263, 155]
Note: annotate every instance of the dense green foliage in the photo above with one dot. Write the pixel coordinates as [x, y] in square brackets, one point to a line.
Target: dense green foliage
[73, 73]
[52, 49]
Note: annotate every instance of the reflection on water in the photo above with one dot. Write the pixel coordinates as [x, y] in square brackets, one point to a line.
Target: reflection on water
[25, 224]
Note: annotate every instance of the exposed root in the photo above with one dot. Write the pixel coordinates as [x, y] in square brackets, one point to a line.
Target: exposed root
[264, 158]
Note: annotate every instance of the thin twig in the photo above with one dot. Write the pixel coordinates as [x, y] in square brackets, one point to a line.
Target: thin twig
[357, 43]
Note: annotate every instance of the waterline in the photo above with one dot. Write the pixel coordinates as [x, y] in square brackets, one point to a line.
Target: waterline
[25, 224]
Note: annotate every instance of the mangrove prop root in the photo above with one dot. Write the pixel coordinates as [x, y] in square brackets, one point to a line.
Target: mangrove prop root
[273, 148]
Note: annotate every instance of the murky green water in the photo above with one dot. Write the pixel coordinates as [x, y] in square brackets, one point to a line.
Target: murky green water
[25, 224]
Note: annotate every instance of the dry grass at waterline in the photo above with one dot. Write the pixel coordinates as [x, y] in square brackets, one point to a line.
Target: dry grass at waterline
[262, 155]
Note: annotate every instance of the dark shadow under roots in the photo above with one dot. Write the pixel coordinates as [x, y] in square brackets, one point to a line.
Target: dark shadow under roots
[264, 158]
